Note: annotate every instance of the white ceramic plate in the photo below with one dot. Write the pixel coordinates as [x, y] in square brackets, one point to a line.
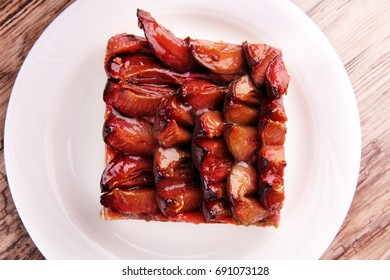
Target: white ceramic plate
[54, 151]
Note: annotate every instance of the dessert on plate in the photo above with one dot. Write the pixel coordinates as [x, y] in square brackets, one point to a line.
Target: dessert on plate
[194, 129]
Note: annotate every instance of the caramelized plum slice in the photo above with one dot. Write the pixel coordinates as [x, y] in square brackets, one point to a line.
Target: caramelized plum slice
[259, 57]
[172, 162]
[271, 164]
[216, 210]
[242, 102]
[173, 108]
[179, 198]
[212, 159]
[271, 197]
[136, 100]
[170, 122]
[215, 190]
[177, 191]
[134, 201]
[273, 110]
[172, 51]
[214, 169]
[127, 171]
[242, 193]
[129, 135]
[255, 53]
[126, 43]
[142, 68]
[271, 132]
[242, 141]
[240, 113]
[209, 125]
[219, 57]
[277, 79]
[201, 94]
[124, 66]
[170, 134]
[215, 205]
[244, 91]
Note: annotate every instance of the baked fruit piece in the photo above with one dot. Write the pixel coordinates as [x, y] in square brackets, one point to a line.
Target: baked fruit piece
[194, 129]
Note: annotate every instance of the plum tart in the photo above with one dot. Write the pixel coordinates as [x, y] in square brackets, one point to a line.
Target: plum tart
[194, 129]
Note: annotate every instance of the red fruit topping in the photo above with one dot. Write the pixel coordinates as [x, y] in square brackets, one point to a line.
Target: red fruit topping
[219, 57]
[242, 141]
[172, 51]
[129, 135]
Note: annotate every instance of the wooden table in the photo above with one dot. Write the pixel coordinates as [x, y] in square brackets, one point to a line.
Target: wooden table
[360, 32]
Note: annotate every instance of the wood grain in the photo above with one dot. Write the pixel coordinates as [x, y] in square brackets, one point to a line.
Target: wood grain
[359, 31]
[21, 23]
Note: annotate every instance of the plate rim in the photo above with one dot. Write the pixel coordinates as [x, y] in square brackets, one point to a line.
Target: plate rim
[11, 108]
